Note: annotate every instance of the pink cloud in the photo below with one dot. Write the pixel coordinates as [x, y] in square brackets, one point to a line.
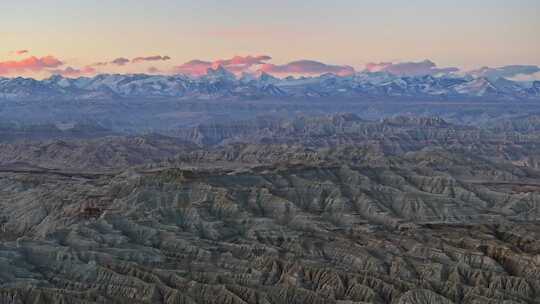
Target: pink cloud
[120, 61]
[240, 64]
[74, 72]
[193, 67]
[425, 67]
[242, 60]
[508, 71]
[99, 64]
[377, 67]
[237, 65]
[153, 70]
[150, 58]
[307, 67]
[21, 52]
[33, 64]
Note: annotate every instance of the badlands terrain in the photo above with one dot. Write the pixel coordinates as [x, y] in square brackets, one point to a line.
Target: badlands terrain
[334, 208]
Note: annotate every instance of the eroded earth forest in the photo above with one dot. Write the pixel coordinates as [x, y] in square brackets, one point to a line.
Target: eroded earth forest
[327, 208]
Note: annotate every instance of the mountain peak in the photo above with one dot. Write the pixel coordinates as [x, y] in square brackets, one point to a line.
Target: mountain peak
[265, 77]
[221, 82]
[219, 72]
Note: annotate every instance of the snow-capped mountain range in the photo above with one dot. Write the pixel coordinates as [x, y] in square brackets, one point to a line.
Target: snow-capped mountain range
[220, 83]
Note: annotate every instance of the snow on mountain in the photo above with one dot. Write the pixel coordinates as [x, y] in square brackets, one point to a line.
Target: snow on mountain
[219, 74]
[219, 82]
[534, 89]
[477, 87]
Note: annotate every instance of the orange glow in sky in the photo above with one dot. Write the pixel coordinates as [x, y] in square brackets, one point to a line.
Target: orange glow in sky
[78, 38]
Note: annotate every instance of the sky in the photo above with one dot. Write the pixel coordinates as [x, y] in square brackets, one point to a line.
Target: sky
[87, 36]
